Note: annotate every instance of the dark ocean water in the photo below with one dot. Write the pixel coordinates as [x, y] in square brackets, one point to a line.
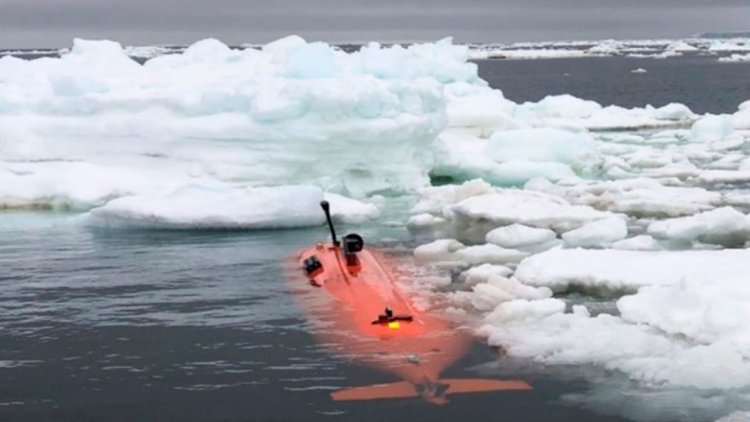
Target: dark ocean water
[138, 325]
[700, 82]
[181, 326]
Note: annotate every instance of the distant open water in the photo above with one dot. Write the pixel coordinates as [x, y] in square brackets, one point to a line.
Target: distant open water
[700, 82]
[183, 326]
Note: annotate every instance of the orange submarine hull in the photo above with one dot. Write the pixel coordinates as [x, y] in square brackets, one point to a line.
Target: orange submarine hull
[358, 312]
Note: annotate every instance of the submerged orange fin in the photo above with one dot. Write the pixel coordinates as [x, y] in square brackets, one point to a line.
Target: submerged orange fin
[478, 385]
[404, 389]
[394, 390]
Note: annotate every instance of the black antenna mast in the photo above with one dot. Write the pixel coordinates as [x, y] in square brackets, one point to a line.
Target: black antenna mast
[327, 209]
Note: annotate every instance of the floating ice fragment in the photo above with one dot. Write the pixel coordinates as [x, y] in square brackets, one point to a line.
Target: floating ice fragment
[711, 128]
[440, 250]
[641, 242]
[489, 254]
[349, 210]
[199, 207]
[597, 234]
[724, 226]
[518, 236]
[628, 270]
[496, 290]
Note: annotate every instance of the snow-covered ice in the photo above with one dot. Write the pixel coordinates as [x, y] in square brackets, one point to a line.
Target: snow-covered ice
[202, 207]
[519, 236]
[609, 269]
[597, 234]
[724, 226]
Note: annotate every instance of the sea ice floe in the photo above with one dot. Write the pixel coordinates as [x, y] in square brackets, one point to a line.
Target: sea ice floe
[724, 226]
[711, 128]
[474, 217]
[452, 252]
[440, 250]
[496, 289]
[518, 236]
[566, 111]
[642, 242]
[512, 157]
[609, 269]
[541, 330]
[480, 273]
[650, 48]
[204, 207]
[489, 254]
[597, 234]
[279, 115]
[348, 210]
[683, 322]
[741, 118]
[735, 417]
[736, 58]
[636, 197]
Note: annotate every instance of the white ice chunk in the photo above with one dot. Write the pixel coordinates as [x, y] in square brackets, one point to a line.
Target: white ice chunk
[541, 331]
[741, 118]
[347, 210]
[736, 416]
[637, 197]
[440, 250]
[481, 273]
[711, 128]
[736, 58]
[518, 236]
[641, 242]
[548, 145]
[462, 156]
[724, 226]
[524, 310]
[212, 208]
[453, 252]
[673, 111]
[437, 197]
[489, 254]
[495, 290]
[423, 221]
[508, 206]
[617, 269]
[563, 106]
[597, 234]
[706, 310]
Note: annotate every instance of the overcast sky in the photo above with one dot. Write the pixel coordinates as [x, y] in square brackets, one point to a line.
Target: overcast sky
[54, 23]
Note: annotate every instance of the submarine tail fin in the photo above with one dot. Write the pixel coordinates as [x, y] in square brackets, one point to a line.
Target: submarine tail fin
[479, 385]
[404, 389]
[394, 390]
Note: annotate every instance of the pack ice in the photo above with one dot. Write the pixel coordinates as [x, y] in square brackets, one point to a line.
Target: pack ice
[581, 233]
[597, 236]
[93, 126]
